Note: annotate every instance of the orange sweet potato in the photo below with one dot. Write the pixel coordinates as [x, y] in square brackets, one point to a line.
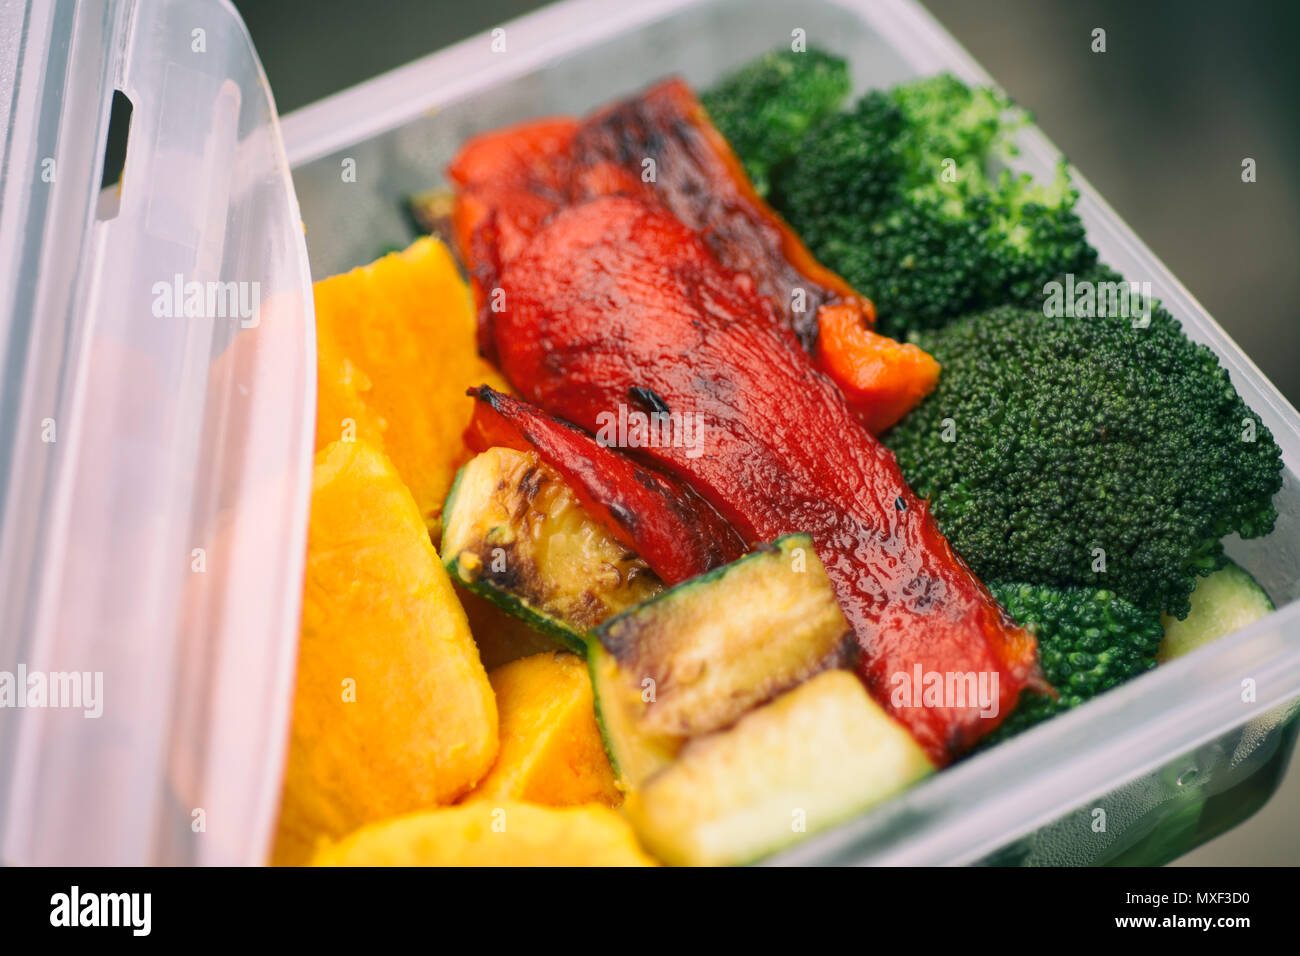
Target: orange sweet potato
[395, 353]
[551, 750]
[484, 834]
[393, 710]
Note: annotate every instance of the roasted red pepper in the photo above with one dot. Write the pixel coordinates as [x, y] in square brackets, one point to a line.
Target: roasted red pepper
[661, 147]
[882, 379]
[617, 297]
[508, 182]
[702, 182]
[677, 532]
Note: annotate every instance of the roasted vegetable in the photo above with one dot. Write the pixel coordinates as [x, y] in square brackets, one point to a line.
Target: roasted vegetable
[551, 751]
[661, 147]
[393, 711]
[634, 752]
[725, 642]
[1088, 641]
[615, 297]
[1222, 604]
[378, 379]
[1087, 451]
[699, 180]
[882, 379]
[507, 182]
[811, 758]
[492, 834]
[677, 532]
[765, 107]
[900, 196]
[518, 536]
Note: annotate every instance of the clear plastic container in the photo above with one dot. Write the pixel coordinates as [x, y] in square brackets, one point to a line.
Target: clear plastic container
[195, 433]
[155, 460]
[1172, 758]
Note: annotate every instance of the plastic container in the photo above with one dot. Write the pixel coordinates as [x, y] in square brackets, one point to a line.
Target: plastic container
[1173, 758]
[155, 460]
[173, 433]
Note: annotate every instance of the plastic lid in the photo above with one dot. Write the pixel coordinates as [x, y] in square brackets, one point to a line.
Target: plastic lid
[157, 382]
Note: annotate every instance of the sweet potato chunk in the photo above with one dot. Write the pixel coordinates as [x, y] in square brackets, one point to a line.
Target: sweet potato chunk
[484, 834]
[393, 710]
[551, 751]
[395, 353]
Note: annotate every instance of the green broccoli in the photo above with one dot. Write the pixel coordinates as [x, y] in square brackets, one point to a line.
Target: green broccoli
[1036, 237]
[944, 119]
[899, 197]
[765, 107]
[1087, 451]
[1088, 642]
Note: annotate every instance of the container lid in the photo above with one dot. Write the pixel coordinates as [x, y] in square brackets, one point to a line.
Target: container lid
[157, 383]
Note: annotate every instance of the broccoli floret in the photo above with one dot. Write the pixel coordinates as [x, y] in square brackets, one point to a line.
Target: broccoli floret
[946, 119]
[1088, 642]
[1035, 236]
[850, 168]
[1085, 451]
[899, 197]
[918, 266]
[765, 107]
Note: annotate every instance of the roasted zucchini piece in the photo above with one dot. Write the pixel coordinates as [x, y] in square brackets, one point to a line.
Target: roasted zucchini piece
[633, 753]
[811, 758]
[708, 650]
[1222, 604]
[515, 533]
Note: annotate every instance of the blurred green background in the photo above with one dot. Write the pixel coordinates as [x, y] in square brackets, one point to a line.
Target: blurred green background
[1159, 124]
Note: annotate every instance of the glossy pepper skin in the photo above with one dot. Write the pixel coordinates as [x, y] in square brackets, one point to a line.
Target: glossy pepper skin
[508, 182]
[672, 528]
[616, 295]
[881, 378]
[661, 147]
[702, 182]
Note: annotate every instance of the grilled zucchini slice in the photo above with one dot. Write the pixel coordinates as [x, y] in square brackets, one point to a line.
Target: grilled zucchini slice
[515, 533]
[633, 753]
[1222, 604]
[813, 757]
[708, 650]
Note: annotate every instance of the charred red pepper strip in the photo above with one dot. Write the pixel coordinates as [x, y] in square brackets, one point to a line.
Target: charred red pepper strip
[700, 180]
[703, 183]
[882, 379]
[616, 295]
[677, 532]
[518, 173]
[508, 182]
[512, 180]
